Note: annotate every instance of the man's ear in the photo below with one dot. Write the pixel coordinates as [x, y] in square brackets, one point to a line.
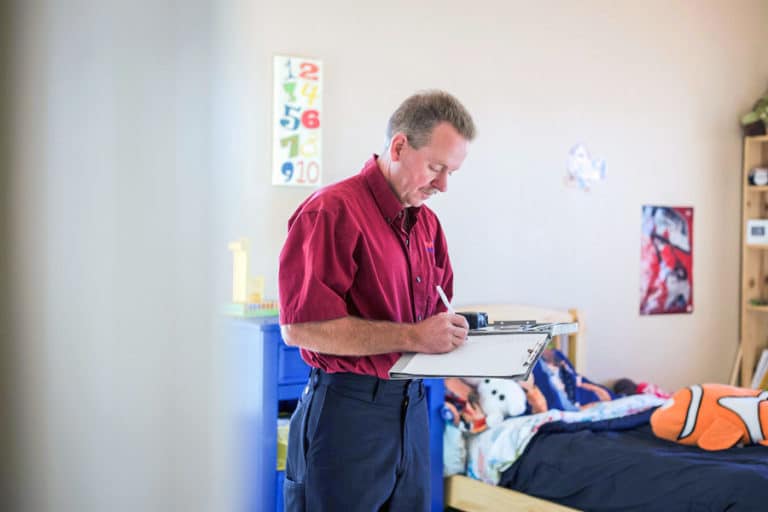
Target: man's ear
[396, 146]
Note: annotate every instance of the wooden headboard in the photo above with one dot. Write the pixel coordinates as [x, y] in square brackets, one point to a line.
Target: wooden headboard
[498, 312]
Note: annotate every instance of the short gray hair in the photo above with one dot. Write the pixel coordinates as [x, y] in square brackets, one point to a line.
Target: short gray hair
[418, 115]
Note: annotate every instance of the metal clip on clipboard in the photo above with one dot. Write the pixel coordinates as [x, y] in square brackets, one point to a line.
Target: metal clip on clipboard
[552, 329]
[527, 326]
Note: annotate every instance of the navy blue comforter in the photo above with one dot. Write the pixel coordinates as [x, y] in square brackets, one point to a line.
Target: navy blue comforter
[619, 465]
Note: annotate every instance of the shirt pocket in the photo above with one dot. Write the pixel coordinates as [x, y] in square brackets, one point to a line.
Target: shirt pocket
[436, 275]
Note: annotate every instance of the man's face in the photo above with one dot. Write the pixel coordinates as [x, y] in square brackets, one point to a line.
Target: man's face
[416, 174]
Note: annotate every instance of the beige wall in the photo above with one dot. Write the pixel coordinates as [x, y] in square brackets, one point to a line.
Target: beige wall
[141, 145]
[655, 88]
[112, 354]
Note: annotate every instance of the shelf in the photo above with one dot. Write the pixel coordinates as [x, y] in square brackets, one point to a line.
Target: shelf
[753, 328]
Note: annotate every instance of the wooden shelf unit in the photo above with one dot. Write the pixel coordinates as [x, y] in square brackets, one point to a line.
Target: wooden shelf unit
[753, 328]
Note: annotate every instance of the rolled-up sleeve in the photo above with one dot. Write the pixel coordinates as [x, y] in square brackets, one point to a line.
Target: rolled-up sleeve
[317, 268]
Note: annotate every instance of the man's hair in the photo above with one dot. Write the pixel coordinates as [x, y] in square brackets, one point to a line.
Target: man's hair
[418, 115]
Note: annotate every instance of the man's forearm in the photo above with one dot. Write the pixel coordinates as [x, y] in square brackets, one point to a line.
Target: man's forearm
[351, 336]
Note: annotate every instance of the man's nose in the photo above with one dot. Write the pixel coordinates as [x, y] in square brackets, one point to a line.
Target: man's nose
[441, 181]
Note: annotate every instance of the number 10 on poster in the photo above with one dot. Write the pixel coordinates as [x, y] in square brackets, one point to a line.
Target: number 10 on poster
[296, 149]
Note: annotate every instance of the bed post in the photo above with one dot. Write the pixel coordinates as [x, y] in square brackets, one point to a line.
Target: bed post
[574, 339]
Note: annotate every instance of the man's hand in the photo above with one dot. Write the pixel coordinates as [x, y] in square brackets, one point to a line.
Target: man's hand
[441, 333]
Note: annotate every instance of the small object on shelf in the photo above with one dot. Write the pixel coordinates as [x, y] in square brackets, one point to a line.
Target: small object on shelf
[759, 302]
[758, 176]
[247, 292]
[757, 231]
[239, 250]
[245, 289]
[754, 122]
[753, 128]
[251, 310]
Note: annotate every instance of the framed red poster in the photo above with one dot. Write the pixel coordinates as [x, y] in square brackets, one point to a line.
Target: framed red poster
[666, 260]
[297, 127]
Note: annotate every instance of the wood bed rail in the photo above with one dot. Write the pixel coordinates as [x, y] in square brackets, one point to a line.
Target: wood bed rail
[470, 495]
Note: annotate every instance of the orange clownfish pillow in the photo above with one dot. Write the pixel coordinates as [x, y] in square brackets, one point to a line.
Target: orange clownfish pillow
[713, 417]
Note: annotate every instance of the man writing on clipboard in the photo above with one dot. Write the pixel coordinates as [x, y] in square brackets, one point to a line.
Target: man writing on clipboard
[358, 278]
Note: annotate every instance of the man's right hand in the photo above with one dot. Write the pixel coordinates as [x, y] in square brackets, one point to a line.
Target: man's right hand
[441, 333]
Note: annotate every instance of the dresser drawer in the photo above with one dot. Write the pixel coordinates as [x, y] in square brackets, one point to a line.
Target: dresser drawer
[291, 368]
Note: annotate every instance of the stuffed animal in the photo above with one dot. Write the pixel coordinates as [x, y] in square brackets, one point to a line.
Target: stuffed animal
[499, 399]
[713, 416]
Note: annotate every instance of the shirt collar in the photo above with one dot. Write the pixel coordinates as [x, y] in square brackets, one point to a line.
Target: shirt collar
[389, 205]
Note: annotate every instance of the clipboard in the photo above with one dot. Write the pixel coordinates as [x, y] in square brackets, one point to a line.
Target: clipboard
[505, 350]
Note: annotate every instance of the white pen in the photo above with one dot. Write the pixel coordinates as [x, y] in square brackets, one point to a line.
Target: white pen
[445, 300]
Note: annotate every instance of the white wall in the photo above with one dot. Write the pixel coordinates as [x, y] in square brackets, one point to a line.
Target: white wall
[141, 145]
[655, 88]
[113, 357]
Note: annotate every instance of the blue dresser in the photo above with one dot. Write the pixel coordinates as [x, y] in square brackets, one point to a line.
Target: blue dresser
[271, 376]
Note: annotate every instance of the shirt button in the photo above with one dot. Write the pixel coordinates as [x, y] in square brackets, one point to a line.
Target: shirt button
[418, 318]
[406, 241]
[418, 279]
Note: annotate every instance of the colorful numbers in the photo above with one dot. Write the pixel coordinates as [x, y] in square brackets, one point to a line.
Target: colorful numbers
[311, 119]
[287, 170]
[309, 71]
[297, 128]
[288, 120]
[310, 93]
[292, 143]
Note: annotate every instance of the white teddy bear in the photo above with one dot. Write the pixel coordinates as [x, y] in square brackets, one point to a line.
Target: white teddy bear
[499, 399]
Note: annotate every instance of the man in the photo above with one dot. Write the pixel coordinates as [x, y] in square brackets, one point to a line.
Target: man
[358, 277]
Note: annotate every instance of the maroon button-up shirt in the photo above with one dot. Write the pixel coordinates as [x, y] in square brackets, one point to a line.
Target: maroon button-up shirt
[354, 250]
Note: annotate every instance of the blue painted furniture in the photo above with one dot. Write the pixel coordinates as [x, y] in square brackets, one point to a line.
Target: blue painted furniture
[270, 373]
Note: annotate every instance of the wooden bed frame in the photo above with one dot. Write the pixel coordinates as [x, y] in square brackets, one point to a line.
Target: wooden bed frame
[470, 495]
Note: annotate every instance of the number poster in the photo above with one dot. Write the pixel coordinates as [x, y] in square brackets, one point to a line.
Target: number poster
[296, 148]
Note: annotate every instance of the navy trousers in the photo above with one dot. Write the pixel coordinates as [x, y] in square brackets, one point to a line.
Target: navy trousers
[358, 443]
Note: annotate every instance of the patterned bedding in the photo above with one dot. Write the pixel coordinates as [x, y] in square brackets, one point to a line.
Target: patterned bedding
[494, 450]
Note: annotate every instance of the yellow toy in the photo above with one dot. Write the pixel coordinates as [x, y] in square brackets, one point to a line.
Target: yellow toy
[245, 289]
